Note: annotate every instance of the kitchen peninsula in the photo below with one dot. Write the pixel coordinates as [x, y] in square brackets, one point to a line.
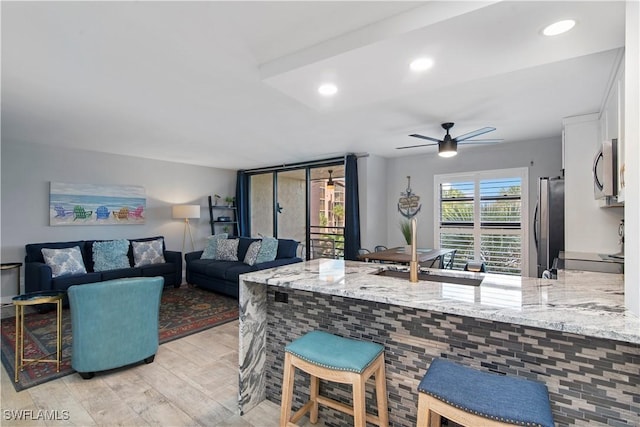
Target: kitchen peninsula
[573, 333]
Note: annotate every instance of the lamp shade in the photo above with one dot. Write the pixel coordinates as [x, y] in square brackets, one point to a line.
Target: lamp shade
[185, 211]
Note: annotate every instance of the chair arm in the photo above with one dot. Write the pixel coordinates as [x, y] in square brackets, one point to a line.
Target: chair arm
[175, 257]
[191, 256]
[37, 277]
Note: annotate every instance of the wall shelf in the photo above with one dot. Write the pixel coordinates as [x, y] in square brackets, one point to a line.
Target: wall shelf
[222, 210]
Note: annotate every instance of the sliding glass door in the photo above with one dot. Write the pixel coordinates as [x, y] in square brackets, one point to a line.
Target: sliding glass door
[305, 204]
[261, 205]
[326, 228]
[291, 205]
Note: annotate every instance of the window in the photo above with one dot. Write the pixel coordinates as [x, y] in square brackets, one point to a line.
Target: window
[484, 216]
[295, 202]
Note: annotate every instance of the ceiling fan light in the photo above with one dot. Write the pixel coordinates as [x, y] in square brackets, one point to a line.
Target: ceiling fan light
[330, 184]
[447, 153]
[559, 27]
[447, 148]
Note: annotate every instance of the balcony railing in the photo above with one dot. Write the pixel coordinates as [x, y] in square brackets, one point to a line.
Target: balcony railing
[327, 242]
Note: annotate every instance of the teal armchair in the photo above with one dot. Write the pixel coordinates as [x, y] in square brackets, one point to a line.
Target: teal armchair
[114, 323]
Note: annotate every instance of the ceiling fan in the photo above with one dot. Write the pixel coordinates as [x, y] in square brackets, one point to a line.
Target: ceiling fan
[331, 183]
[448, 147]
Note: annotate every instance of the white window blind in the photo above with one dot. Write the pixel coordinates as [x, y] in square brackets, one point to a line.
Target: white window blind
[483, 216]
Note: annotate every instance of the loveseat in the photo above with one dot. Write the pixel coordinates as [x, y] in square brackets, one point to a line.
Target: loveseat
[40, 275]
[222, 276]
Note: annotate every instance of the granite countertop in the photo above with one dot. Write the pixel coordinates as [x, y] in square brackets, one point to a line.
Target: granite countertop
[585, 303]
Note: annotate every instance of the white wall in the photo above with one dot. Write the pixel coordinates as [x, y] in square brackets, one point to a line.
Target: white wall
[372, 186]
[542, 158]
[27, 170]
[588, 227]
[632, 157]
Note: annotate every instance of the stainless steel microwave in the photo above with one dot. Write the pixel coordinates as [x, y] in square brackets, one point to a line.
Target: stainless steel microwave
[605, 170]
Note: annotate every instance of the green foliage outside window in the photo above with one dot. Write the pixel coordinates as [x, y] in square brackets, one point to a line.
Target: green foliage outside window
[499, 210]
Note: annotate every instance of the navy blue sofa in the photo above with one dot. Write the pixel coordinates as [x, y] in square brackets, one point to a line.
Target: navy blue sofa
[223, 276]
[38, 275]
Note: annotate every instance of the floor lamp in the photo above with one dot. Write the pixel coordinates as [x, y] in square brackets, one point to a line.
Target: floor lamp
[185, 212]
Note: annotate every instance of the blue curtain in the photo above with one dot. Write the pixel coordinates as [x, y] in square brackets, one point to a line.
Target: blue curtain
[352, 209]
[242, 204]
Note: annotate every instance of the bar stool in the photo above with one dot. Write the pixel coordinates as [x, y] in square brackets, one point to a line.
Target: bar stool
[342, 360]
[473, 398]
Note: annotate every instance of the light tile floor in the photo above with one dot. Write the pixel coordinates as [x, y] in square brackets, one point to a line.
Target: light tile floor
[192, 382]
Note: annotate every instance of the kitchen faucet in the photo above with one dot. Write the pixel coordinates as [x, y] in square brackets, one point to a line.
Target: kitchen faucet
[413, 265]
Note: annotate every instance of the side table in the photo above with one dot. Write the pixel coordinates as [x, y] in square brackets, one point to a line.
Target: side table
[35, 298]
[6, 267]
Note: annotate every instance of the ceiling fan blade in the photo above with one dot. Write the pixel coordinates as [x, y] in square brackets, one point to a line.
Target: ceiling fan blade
[415, 146]
[481, 141]
[416, 135]
[474, 133]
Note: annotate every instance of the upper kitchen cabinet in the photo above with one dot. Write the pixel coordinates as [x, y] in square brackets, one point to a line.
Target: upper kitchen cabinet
[612, 122]
[588, 227]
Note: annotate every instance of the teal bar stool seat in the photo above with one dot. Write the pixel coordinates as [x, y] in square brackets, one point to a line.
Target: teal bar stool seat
[473, 398]
[328, 357]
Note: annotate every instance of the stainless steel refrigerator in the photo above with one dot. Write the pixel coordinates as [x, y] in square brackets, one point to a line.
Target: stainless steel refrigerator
[548, 222]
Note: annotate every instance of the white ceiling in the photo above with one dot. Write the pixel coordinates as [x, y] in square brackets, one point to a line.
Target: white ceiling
[233, 84]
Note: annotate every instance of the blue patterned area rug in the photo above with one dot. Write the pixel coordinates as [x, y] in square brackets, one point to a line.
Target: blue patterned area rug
[183, 311]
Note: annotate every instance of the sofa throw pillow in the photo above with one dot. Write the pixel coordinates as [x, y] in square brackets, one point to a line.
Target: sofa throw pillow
[110, 255]
[252, 253]
[146, 253]
[64, 262]
[268, 250]
[227, 250]
[211, 249]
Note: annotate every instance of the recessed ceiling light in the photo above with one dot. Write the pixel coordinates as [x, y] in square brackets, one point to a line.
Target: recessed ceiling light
[421, 64]
[559, 27]
[327, 89]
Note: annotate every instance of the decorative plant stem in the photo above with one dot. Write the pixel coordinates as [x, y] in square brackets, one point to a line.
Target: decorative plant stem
[405, 228]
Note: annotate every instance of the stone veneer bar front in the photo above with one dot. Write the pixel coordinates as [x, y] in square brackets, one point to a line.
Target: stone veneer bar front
[573, 334]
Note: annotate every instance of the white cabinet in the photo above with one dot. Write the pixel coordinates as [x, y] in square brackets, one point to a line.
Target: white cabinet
[588, 228]
[612, 122]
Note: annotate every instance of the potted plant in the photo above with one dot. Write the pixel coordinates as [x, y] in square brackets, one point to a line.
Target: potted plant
[229, 200]
[405, 228]
[216, 197]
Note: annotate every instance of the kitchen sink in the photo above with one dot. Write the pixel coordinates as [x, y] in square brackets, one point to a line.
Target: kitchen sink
[431, 277]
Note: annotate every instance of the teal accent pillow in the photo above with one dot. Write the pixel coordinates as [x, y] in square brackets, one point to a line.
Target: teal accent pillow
[110, 255]
[252, 253]
[64, 262]
[147, 253]
[211, 250]
[268, 250]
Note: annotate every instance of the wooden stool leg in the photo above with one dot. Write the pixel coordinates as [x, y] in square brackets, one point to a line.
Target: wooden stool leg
[427, 417]
[423, 409]
[359, 406]
[287, 390]
[314, 391]
[381, 394]
[435, 420]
